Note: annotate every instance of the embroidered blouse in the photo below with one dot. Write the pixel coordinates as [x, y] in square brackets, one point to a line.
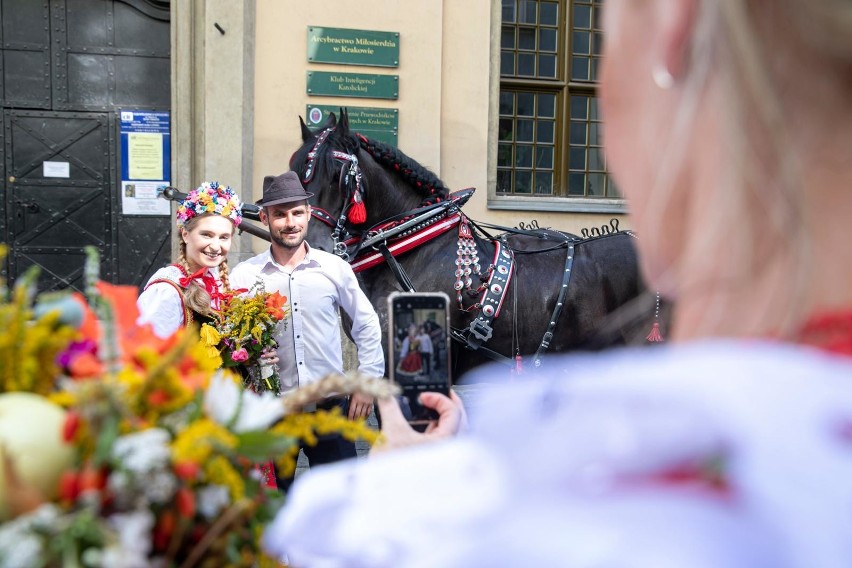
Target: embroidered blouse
[161, 302]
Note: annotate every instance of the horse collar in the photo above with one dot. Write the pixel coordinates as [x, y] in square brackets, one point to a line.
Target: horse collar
[495, 285]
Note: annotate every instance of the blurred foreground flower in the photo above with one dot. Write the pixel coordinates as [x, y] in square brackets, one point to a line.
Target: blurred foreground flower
[127, 450]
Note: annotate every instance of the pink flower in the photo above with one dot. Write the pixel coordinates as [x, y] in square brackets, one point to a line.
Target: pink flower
[240, 355]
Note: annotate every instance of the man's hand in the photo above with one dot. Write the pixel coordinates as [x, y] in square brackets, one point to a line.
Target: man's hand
[360, 406]
[399, 434]
[269, 356]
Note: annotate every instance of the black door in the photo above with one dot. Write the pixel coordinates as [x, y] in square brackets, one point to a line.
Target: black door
[67, 68]
[58, 193]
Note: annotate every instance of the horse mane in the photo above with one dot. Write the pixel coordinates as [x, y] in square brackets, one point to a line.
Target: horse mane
[424, 182]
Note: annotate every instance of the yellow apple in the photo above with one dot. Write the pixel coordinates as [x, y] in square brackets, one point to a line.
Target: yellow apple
[31, 443]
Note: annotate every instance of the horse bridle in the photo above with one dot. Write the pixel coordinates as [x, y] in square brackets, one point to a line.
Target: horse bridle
[349, 183]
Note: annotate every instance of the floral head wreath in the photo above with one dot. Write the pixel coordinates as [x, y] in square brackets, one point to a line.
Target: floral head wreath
[210, 197]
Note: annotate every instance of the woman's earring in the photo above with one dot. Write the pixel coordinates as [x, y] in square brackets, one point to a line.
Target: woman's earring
[662, 77]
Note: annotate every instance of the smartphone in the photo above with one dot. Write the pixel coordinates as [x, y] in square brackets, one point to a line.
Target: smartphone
[419, 349]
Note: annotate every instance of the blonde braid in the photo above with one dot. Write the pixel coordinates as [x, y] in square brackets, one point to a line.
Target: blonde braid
[181, 258]
[223, 276]
[195, 297]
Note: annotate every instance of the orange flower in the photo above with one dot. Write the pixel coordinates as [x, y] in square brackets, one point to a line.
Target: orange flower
[158, 397]
[71, 426]
[86, 366]
[185, 500]
[275, 303]
[187, 470]
[122, 299]
[69, 486]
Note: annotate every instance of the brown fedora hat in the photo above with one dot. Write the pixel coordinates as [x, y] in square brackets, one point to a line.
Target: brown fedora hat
[285, 188]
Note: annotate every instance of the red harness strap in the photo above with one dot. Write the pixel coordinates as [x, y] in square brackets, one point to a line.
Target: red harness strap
[404, 244]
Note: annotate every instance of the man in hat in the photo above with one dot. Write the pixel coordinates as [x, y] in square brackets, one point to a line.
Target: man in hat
[317, 284]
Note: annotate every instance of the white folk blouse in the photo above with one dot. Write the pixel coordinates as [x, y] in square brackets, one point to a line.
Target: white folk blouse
[161, 303]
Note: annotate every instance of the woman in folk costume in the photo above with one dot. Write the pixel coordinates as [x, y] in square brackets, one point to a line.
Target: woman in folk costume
[410, 363]
[190, 289]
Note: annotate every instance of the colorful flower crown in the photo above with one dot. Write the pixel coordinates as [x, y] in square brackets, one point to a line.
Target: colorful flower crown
[210, 197]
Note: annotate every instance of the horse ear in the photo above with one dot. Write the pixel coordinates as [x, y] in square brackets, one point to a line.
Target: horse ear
[331, 121]
[306, 132]
[344, 121]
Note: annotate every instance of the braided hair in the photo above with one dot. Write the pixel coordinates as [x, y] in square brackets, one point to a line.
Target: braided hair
[427, 184]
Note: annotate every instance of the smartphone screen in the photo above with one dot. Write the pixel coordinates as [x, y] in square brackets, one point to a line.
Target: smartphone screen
[419, 349]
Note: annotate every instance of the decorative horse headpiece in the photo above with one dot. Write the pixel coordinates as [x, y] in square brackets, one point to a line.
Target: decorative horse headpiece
[350, 174]
[210, 197]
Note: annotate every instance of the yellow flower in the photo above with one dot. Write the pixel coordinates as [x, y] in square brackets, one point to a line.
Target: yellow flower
[219, 471]
[29, 349]
[199, 440]
[210, 335]
[213, 354]
[62, 398]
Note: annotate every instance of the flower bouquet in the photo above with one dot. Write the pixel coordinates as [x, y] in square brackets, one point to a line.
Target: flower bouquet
[245, 327]
[122, 449]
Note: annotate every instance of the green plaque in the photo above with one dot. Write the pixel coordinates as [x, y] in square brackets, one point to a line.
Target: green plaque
[365, 85]
[377, 123]
[353, 47]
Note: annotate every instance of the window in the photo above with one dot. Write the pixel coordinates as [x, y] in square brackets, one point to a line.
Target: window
[549, 133]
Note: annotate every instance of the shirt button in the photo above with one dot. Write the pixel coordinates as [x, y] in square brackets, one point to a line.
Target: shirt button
[298, 337]
[300, 362]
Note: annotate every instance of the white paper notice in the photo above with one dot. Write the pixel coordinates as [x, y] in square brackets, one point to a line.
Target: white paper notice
[56, 169]
[140, 198]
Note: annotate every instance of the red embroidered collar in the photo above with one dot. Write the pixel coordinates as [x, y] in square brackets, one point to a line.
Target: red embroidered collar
[830, 332]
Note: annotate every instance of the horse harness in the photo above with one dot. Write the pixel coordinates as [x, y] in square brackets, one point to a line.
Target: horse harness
[495, 284]
[349, 182]
[393, 237]
[397, 235]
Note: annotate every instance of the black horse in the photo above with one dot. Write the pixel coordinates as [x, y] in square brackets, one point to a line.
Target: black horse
[369, 196]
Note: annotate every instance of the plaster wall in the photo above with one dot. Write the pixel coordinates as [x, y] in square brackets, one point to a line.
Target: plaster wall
[448, 89]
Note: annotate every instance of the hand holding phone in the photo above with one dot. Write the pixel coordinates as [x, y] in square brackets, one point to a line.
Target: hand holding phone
[398, 433]
[419, 349]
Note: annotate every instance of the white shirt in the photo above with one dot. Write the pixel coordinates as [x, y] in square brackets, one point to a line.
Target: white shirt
[586, 463]
[425, 343]
[161, 305]
[316, 289]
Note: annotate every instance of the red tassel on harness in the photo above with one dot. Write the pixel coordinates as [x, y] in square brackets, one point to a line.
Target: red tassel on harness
[655, 336]
[357, 213]
[519, 367]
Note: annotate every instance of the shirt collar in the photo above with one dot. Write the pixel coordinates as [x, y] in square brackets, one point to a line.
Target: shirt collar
[271, 265]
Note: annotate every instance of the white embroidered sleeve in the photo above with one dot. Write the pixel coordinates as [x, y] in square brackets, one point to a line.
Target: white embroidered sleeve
[160, 305]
